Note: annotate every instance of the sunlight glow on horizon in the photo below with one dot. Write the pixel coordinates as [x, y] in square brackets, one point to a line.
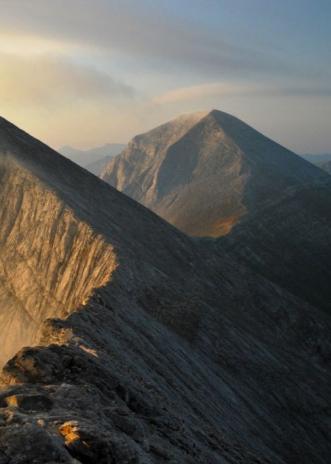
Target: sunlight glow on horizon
[70, 84]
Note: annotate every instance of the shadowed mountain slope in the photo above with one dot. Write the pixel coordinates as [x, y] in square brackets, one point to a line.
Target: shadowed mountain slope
[55, 226]
[220, 177]
[322, 161]
[289, 242]
[205, 172]
[317, 159]
[158, 349]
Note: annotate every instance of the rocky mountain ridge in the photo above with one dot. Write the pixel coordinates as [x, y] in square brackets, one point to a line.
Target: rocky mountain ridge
[150, 347]
[221, 178]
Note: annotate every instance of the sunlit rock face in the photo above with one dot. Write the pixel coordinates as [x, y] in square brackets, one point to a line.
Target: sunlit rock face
[205, 172]
[180, 354]
[57, 238]
[50, 261]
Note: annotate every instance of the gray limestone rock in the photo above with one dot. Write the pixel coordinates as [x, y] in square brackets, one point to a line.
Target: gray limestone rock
[137, 344]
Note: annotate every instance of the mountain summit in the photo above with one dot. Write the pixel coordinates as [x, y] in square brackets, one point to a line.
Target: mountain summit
[126, 341]
[204, 172]
[213, 175]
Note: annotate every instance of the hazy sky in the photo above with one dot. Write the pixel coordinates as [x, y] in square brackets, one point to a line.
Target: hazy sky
[86, 72]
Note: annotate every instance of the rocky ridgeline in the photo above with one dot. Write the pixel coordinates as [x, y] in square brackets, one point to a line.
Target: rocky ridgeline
[157, 347]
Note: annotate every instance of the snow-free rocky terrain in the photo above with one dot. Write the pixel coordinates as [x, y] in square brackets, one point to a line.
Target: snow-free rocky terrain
[204, 172]
[125, 341]
[212, 175]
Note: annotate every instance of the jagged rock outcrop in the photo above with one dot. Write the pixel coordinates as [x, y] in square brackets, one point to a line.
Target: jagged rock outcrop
[178, 354]
[50, 261]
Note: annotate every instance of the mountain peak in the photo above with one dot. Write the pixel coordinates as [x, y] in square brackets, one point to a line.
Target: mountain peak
[215, 112]
[174, 128]
[205, 171]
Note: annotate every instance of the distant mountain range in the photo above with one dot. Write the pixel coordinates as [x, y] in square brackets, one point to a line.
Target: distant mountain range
[93, 159]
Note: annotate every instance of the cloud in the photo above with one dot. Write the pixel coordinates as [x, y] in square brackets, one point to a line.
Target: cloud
[62, 101]
[211, 90]
[51, 81]
[146, 33]
[196, 92]
[65, 67]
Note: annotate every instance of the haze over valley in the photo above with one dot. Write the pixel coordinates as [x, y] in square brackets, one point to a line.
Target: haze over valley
[93, 159]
